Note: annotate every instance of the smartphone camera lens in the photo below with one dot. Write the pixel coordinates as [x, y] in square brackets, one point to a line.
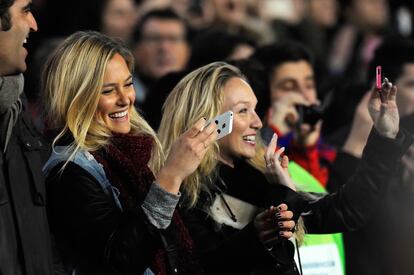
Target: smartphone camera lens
[223, 126]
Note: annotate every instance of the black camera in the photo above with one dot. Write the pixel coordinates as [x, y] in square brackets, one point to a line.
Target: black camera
[309, 114]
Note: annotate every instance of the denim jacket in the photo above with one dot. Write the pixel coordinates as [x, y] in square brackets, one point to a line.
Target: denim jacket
[85, 160]
[89, 163]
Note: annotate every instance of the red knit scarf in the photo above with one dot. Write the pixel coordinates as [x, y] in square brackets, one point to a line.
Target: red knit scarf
[125, 162]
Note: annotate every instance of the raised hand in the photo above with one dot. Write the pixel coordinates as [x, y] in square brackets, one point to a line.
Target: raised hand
[186, 154]
[277, 168]
[383, 110]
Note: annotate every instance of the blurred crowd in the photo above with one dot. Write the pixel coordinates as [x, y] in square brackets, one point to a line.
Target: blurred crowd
[310, 63]
[341, 36]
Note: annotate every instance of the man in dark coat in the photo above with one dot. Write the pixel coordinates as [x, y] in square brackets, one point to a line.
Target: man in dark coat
[25, 245]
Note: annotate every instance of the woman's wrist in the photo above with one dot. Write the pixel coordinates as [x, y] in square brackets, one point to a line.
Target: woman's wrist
[169, 180]
[354, 147]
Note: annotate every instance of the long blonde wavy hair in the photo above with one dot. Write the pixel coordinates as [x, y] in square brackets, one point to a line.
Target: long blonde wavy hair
[73, 80]
[200, 94]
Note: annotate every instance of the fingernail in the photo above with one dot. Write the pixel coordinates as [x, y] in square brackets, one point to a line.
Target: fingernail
[281, 233]
[278, 215]
[282, 149]
[280, 224]
[279, 208]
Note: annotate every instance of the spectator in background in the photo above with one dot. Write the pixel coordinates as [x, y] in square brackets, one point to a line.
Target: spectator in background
[316, 33]
[323, 13]
[291, 81]
[233, 16]
[33, 81]
[355, 42]
[312, 26]
[160, 47]
[375, 249]
[118, 19]
[219, 45]
[209, 46]
[25, 245]
[152, 107]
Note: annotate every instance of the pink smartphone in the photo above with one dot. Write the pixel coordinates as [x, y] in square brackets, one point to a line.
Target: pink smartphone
[378, 83]
[378, 74]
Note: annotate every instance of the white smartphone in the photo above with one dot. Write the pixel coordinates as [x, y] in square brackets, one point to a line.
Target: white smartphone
[224, 124]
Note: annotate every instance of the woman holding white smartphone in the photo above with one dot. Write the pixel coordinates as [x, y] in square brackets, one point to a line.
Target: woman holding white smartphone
[111, 205]
[237, 214]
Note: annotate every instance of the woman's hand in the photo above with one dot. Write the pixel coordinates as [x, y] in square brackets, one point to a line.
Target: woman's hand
[185, 155]
[384, 113]
[276, 167]
[273, 223]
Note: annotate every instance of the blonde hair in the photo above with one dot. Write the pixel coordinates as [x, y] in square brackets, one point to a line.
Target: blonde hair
[200, 94]
[73, 81]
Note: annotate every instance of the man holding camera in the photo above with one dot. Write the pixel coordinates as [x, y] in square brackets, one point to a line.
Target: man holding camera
[294, 114]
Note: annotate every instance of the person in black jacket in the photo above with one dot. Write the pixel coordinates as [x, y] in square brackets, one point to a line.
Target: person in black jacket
[226, 195]
[374, 249]
[109, 212]
[25, 241]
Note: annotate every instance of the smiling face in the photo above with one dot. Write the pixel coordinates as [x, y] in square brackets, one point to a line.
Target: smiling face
[12, 52]
[117, 97]
[241, 143]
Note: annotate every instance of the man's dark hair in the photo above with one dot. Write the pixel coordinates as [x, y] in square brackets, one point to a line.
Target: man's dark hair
[5, 17]
[274, 55]
[392, 55]
[162, 14]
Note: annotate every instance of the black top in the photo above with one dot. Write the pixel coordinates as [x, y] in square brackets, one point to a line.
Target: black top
[225, 250]
[384, 246]
[91, 230]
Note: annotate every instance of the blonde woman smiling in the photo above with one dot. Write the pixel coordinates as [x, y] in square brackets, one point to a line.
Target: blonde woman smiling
[230, 198]
[109, 212]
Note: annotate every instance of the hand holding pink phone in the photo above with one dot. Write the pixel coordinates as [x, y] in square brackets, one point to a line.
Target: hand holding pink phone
[381, 86]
